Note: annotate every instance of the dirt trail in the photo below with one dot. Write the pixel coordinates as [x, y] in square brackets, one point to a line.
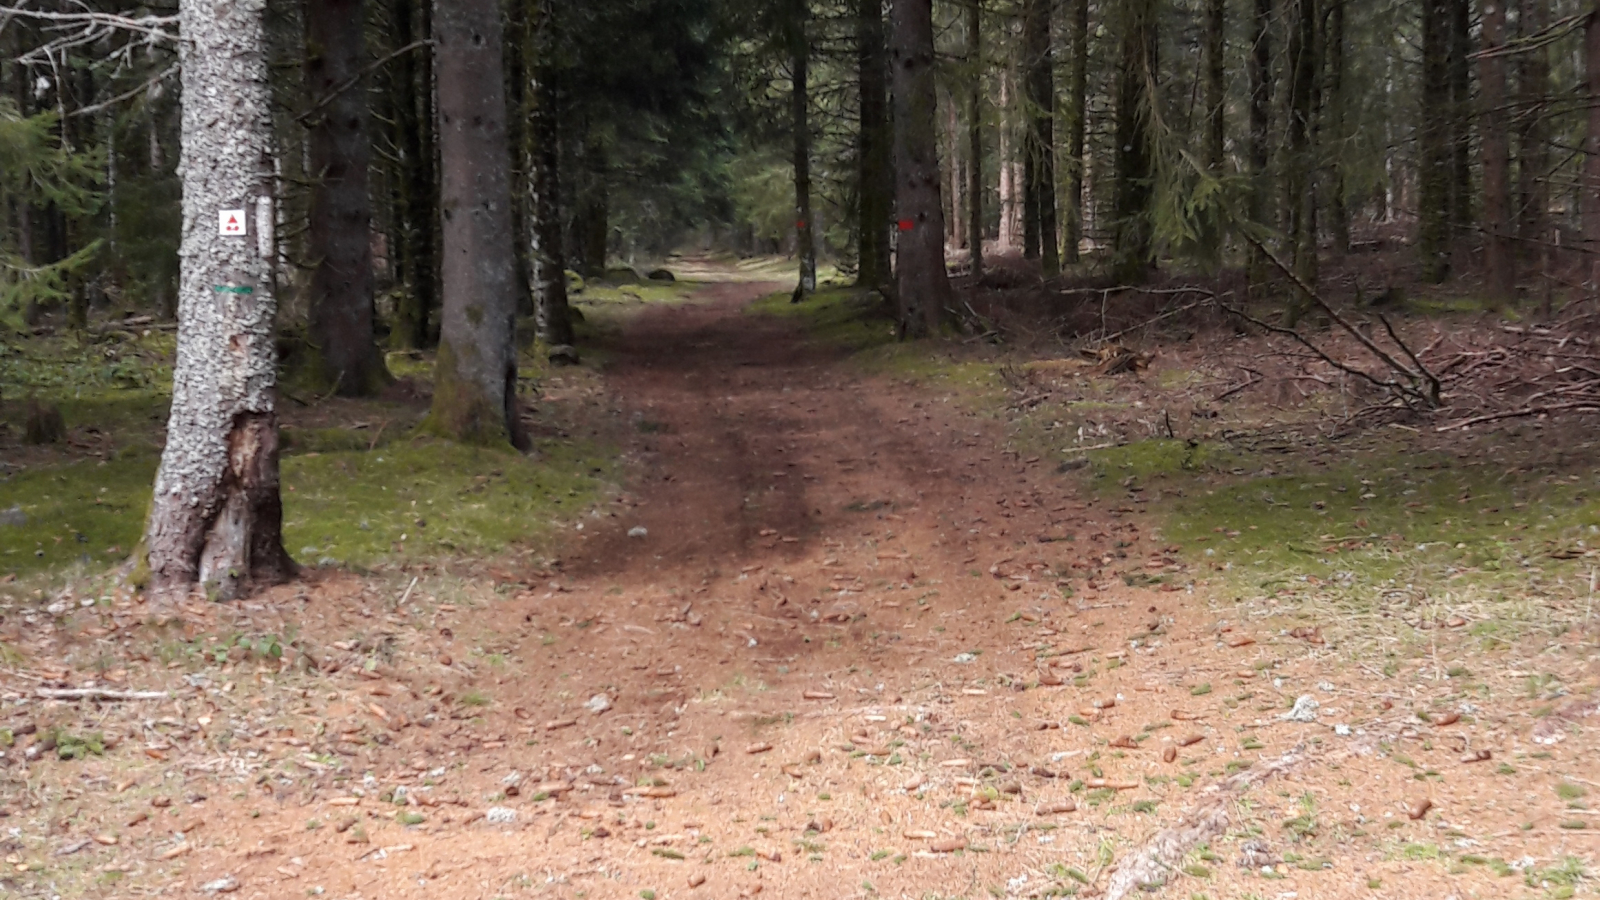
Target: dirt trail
[858, 649]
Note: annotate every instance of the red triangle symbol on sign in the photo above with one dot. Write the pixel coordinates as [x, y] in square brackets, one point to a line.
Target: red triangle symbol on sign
[233, 221]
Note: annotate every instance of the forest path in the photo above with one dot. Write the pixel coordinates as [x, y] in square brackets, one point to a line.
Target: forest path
[862, 648]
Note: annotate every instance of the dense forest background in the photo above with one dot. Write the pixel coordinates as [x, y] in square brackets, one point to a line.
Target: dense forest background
[1106, 134]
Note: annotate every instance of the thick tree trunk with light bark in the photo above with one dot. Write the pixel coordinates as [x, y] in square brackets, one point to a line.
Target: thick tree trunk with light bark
[344, 351]
[545, 250]
[923, 284]
[1499, 257]
[475, 381]
[216, 517]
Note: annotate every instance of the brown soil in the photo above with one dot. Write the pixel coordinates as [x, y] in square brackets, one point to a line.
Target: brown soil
[831, 666]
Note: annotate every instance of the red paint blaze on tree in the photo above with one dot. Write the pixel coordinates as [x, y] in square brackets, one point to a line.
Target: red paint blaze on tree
[923, 284]
[216, 517]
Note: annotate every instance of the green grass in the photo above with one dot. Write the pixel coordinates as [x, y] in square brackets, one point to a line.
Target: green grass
[845, 317]
[348, 506]
[1300, 523]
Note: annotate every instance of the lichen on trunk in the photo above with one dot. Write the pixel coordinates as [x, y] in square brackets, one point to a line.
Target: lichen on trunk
[216, 517]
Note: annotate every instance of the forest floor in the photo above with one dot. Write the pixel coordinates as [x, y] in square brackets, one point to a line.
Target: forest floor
[860, 619]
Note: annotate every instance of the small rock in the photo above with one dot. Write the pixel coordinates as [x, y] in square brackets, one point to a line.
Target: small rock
[1256, 855]
[224, 885]
[1342, 730]
[58, 608]
[564, 355]
[965, 658]
[661, 275]
[500, 815]
[13, 517]
[598, 704]
[1305, 710]
[638, 531]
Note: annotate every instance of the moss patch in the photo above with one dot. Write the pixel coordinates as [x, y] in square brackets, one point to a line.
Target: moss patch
[845, 317]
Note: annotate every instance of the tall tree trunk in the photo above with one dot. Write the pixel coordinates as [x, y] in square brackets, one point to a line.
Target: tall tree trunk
[1077, 122]
[1134, 163]
[975, 195]
[475, 381]
[1533, 132]
[1039, 54]
[553, 318]
[216, 517]
[413, 76]
[1461, 116]
[594, 207]
[1338, 212]
[1299, 174]
[514, 64]
[955, 212]
[1009, 217]
[922, 283]
[874, 149]
[1500, 259]
[1259, 73]
[340, 328]
[1435, 164]
[1216, 20]
[1590, 200]
[800, 125]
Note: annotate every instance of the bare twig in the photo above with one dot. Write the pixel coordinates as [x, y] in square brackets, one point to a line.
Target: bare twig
[1580, 406]
[98, 694]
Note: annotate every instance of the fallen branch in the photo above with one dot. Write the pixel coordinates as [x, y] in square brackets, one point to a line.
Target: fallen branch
[1581, 406]
[98, 694]
[1430, 397]
[1155, 862]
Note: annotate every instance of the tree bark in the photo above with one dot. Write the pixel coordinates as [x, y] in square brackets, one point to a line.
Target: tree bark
[1009, 216]
[1461, 116]
[418, 205]
[475, 382]
[800, 127]
[1216, 20]
[216, 517]
[594, 207]
[1134, 164]
[1039, 53]
[1338, 212]
[1078, 117]
[1590, 199]
[1435, 159]
[340, 328]
[1500, 259]
[874, 150]
[1299, 175]
[975, 196]
[1259, 73]
[1533, 134]
[923, 284]
[551, 312]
